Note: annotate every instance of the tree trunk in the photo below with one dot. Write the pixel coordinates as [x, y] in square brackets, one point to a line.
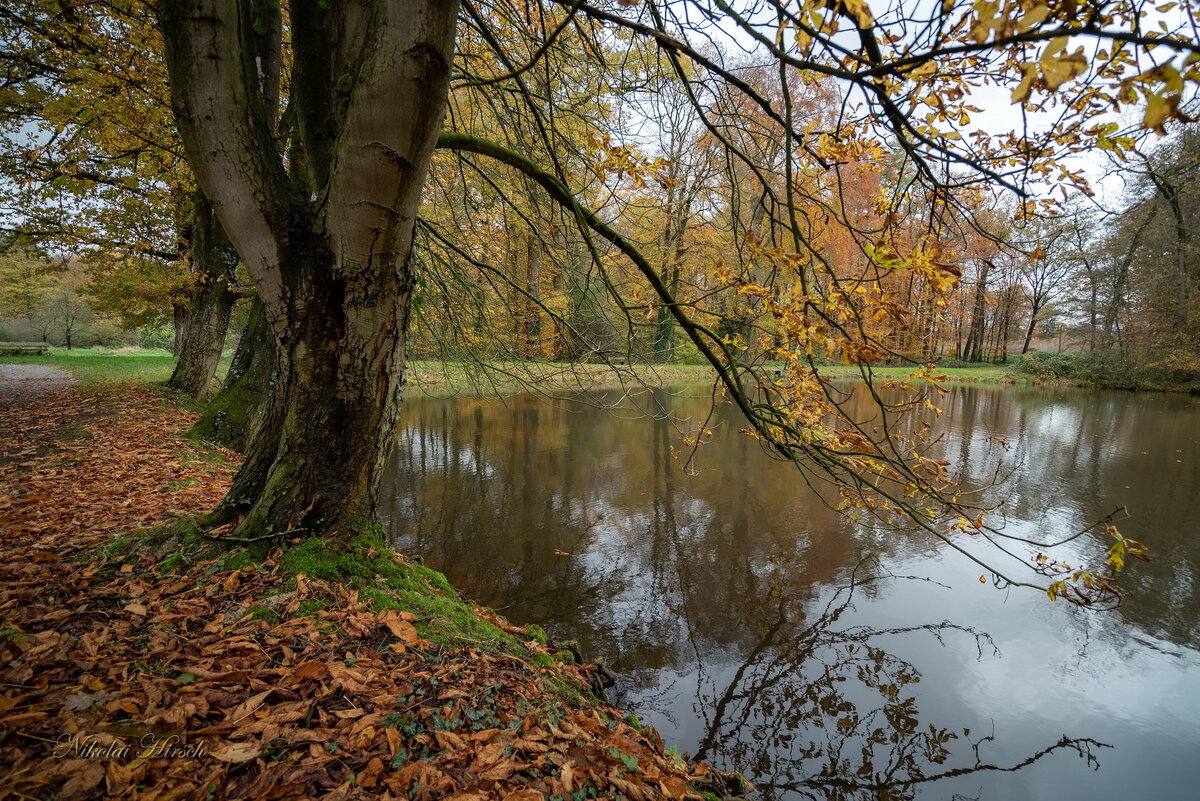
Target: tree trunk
[973, 352]
[234, 415]
[315, 461]
[532, 323]
[330, 256]
[213, 261]
[1028, 335]
[179, 316]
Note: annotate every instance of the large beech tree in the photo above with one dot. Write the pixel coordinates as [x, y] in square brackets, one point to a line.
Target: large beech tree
[319, 182]
[329, 242]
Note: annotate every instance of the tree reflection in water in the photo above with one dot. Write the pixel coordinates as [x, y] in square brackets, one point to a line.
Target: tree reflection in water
[825, 712]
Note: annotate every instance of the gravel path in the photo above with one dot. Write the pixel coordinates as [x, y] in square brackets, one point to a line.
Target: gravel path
[20, 381]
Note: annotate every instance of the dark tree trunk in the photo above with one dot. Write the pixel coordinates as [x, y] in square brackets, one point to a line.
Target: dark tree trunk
[213, 262]
[235, 413]
[973, 352]
[330, 257]
[1033, 321]
[314, 461]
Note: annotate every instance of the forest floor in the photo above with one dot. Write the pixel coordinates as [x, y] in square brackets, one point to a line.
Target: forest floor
[141, 660]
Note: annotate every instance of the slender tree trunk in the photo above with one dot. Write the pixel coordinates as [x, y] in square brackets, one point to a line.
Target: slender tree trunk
[213, 261]
[664, 324]
[532, 323]
[1033, 313]
[235, 414]
[179, 316]
[1171, 195]
[974, 349]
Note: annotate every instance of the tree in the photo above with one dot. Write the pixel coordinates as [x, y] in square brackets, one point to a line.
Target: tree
[329, 249]
[94, 166]
[1043, 268]
[24, 284]
[326, 230]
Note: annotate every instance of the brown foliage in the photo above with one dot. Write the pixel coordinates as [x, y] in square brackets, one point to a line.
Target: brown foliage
[110, 661]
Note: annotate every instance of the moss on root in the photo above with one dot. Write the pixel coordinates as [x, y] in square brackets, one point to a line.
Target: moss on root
[386, 581]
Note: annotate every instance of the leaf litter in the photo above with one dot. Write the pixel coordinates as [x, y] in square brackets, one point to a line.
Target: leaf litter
[140, 677]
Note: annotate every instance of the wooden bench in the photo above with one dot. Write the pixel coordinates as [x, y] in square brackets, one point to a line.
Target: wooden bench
[23, 348]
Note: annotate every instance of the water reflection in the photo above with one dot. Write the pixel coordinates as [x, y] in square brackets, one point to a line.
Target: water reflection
[714, 596]
[824, 711]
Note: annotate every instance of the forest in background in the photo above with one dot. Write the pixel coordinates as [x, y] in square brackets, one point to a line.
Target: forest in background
[100, 233]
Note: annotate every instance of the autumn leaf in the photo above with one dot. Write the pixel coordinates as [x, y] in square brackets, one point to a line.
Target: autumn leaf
[236, 752]
[400, 629]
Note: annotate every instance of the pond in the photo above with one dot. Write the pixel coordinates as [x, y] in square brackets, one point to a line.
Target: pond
[758, 630]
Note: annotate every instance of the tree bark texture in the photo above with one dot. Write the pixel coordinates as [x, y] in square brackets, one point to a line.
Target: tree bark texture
[234, 414]
[330, 257]
[213, 263]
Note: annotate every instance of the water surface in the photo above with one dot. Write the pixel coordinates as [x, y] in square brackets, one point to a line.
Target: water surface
[759, 630]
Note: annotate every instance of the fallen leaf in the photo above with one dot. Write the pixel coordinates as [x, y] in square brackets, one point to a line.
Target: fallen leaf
[236, 752]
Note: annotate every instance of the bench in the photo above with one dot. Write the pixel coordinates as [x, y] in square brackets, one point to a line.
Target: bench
[23, 348]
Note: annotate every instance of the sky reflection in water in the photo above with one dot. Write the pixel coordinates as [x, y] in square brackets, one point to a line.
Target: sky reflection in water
[724, 599]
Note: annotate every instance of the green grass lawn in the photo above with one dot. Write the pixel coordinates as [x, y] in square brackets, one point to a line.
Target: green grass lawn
[91, 365]
[449, 378]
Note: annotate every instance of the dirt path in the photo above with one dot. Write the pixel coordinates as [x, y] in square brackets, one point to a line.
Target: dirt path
[21, 381]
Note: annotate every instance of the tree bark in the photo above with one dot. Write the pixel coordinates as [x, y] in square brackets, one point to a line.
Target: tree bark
[1033, 321]
[179, 316]
[973, 352]
[331, 262]
[213, 262]
[531, 325]
[234, 415]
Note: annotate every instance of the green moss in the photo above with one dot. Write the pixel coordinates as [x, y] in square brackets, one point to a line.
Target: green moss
[263, 613]
[72, 432]
[633, 722]
[310, 606]
[565, 656]
[181, 537]
[234, 560]
[385, 582]
[707, 796]
[537, 633]
[173, 561]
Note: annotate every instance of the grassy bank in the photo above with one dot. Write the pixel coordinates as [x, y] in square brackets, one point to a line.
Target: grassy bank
[986, 374]
[437, 379]
[443, 379]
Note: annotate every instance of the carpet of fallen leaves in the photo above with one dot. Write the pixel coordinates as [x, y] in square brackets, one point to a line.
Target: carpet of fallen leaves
[130, 677]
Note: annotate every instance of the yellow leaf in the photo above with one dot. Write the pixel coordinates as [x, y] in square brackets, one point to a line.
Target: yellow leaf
[1158, 110]
[1058, 69]
[1034, 17]
[926, 70]
[1025, 87]
[858, 11]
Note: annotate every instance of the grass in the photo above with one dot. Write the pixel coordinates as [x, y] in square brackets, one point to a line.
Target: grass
[440, 379]
[990, 374]
[151, 366]
[104, 365]
[443, 379]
